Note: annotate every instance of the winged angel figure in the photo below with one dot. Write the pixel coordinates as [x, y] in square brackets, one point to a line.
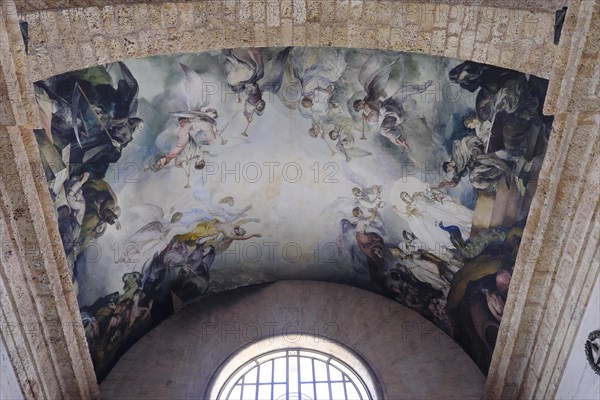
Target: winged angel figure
[343, 133]
[373, 77]
[360, 227]
[158, 228]
[249, 77]
[197, 127]
[153, 235]
[396, 109]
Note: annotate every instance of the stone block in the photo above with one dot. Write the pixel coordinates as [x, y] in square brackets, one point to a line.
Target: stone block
[273, 17]
[327, 11]
[356, 9]
[383, 37]
[299, 11]
[342, 10]
[438, 42]
[452, 43]
[230, 11]
[259, 10]
[312, 34]
[286, 8]
[287, 32]
[326, 37]
[300, 35]
[245, 11]
[340, 35]
[313, 11]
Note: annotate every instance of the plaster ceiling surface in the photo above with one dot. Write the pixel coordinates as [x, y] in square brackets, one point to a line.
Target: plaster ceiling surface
[176, 177]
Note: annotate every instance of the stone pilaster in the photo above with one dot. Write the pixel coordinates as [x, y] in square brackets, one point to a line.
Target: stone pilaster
[39, 318]
[559, 259]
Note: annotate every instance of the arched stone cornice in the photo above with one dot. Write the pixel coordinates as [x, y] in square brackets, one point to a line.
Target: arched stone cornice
[534, 5]
[490, 32]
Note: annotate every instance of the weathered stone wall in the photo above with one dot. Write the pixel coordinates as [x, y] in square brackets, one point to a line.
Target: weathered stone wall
[559, 259]
[535, 5]
[40, 324]
[64, 40]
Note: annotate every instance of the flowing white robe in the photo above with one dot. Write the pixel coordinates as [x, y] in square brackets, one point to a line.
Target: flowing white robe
[316, 69]
[425, 214]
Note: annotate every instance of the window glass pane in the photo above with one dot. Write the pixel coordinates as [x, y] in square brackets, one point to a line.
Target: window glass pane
[264, 392]
[279, 392]
[335, 374]
[249, 392]
[320, 371]
[266, 370]
[308, 391]
[337, 391]
[322, 391]
[352, 393]
[293, 374]
[250, 376]
[236, 393]
[306, 373]
[280, 370]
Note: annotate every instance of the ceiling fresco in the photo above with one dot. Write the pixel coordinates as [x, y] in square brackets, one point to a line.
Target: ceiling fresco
[177, 177]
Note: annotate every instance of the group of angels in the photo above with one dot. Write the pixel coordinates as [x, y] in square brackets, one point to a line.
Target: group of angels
[305, 80]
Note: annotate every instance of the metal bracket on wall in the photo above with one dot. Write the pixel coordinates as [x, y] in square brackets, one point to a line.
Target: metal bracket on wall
[25, 32]
[559, 20]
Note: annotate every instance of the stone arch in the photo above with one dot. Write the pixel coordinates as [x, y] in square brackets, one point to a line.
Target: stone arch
[508, 34]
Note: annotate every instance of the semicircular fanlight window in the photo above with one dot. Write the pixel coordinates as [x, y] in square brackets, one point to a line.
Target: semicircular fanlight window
[294, 372]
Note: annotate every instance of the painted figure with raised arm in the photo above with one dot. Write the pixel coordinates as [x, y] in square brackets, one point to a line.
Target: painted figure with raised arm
[395, 114]
[198, 128]
[373, 76]
[485, 171]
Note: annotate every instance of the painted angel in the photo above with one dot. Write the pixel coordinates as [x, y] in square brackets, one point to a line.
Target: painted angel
[249, 77]
[197, 127]
[317, 70]
[364, 197]
[395, 113]
[342, 133]
[373, 77]
[345, 146]
[153, 236]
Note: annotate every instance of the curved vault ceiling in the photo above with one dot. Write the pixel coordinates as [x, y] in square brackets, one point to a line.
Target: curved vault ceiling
[175, 177]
